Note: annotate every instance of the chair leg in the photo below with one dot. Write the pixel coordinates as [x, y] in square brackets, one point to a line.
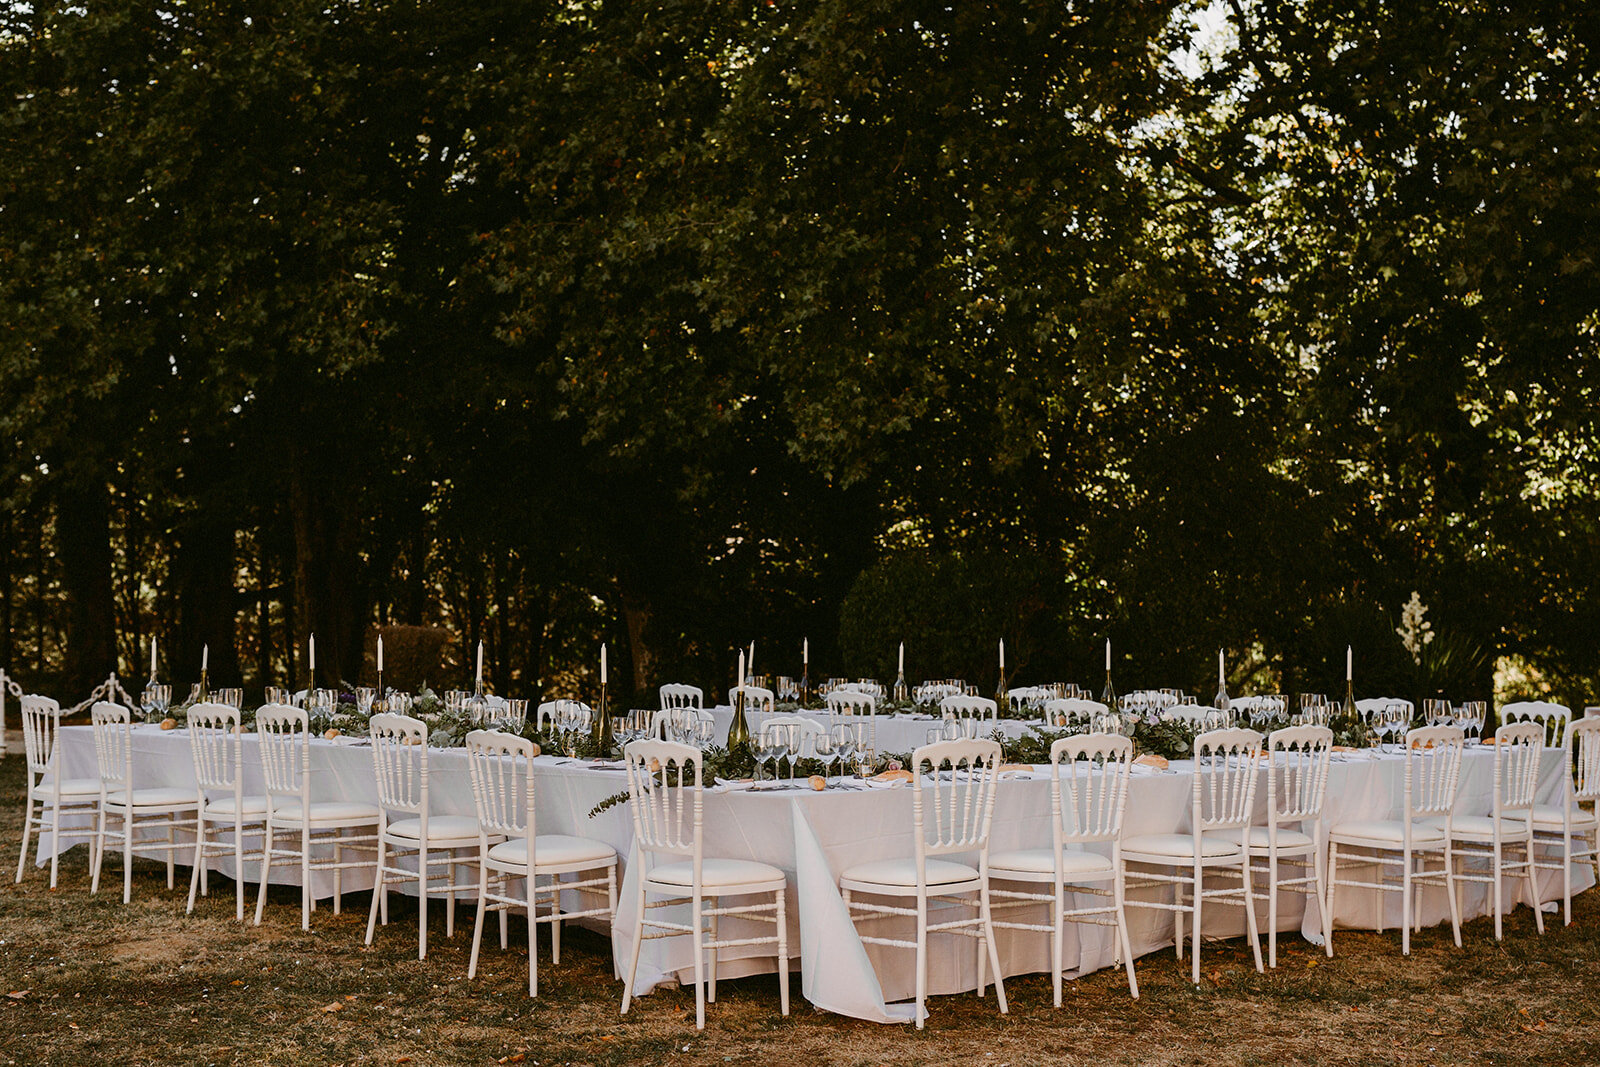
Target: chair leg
[503, 887]
[1121, 891]
[1056, 924]
[1319, 888]
[555, 922]
[1405, 904]
[308, 896]
[1497, 872]
[987, 915]
[1331, 875]
[1249, 912]
[533, 938]
[638, 943]
[55, 842]
[422, 900]
[450, 899]
[1272, 905]
[127, 851]
[783, 952]
[1533, 883]
[922, 958]
[194, 875]
[1453, 891]
[99, 849]
[711, 963]
[172, 841]
[238, 870]
[27, 830]
[1197, 897]
[378, 891]
[697, 921]
[1567, 879]
[477, 925]
[266, 869]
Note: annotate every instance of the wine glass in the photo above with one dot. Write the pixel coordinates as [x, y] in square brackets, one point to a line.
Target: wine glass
[1469, 716]
[764, 749]
[515, 716]
[822, 747]
[845, 743]
[277, 694]
[782, 749]
[365, 695]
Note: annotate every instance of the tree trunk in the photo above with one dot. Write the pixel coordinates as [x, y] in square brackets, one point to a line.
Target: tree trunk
[84, 543]
[202, 577]
[327, 573]
[636, 613]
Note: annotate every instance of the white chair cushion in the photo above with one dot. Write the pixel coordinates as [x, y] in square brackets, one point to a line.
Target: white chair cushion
[1042, 861]
[715, 873]
[159, 796]
[1548, 817]
[903, 872]
[1385, 832]
[1178, 846]
[555, 850]
[440, 828]
[325, 811]
[1259, 839]
[247, 806]
[87, 787]
[1477, 825]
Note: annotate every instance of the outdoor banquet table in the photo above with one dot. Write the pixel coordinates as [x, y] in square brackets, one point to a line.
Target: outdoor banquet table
[813, 836]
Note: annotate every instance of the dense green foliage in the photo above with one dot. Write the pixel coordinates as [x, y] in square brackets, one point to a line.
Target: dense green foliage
[678, 324]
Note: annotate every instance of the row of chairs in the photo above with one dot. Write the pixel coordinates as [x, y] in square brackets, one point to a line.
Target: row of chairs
[296, 823]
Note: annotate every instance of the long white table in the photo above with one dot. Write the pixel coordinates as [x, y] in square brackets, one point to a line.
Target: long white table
[814, 836]
[893, 733]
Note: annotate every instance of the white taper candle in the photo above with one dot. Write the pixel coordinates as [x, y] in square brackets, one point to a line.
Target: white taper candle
[380, 653]
[477, 677]
[602, 663]
[205, 656]
[1002, 653]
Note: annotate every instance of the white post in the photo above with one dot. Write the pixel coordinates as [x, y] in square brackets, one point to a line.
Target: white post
[5, 683]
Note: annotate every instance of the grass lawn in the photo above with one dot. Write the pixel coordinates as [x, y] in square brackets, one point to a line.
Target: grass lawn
[88, 980]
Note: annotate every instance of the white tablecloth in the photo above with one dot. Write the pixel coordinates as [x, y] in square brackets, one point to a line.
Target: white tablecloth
[814, 836]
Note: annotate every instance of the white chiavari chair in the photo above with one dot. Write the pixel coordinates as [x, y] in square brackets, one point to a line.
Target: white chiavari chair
[857, 709]
[406, 826]
[668, 802]
[162, 808]
[217, 747]
[307, 820]
[510, 847]
[755, 698]
[1224, 797]
[1556, 826]
[1508, 828]
[1553, 717]
[979, 710]
[1432, 777]
[1088, 795]
[952, 810]
[677, 695]
[1297, 782]
[50, 797]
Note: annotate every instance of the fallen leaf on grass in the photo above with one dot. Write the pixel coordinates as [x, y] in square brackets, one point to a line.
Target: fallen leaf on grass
[19, 994]
[518, 1058]
[337, 1005]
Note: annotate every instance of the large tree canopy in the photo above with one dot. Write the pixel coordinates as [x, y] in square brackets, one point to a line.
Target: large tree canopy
[676, 325]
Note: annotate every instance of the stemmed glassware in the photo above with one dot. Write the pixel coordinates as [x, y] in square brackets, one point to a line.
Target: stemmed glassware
[515, 714]
[845, 744]
[277, 694]
[823, 748]
[764, 749]
[156, 698]
[365, 695]
[232, 697]
[1470, 715]
[782, 749]
[1437, 712]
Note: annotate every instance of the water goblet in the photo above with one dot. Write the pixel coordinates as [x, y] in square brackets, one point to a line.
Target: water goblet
[823, 748]
[365, 695]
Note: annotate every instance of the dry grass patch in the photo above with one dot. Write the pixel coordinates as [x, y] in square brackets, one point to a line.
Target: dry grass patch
[94, 981]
